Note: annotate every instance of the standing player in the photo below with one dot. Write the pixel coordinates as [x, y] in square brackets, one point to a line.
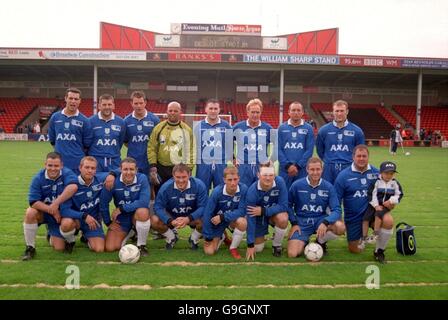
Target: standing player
[267, 203]
[69, 131]
[49, 188]
[315, 209]
[139, 125]
[395, 139]
[252, 138]
[352, 186]
[180, 202]
[171, 143]
[226, 206]
[108, 135]
[130, 193]
[82, 211]
[212, 146]
[336, 140]
[295, 145]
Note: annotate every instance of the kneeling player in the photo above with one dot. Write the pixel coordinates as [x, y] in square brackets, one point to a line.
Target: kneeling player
[49, 188]
[310, 198]
[226, 206]
[267, 203]
[82, 211]
[180, 202]
[131, 198]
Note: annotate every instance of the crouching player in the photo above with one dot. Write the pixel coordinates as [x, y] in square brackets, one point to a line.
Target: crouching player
[180, 202]
[82, 211]
[226, 206]
[130, 193]
[267, 203]
[49, 188]
[315, 209]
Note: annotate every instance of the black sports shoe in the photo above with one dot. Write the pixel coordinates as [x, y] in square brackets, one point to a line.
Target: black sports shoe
[143, 251]
[277, 251]
[193, 246]
[379, 256]
[324, 247]
[170, 245]
[69, 247]
[29, 253]
[83, 239]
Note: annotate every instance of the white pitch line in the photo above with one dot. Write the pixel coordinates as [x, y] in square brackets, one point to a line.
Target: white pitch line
[146, 287]
[211, 264]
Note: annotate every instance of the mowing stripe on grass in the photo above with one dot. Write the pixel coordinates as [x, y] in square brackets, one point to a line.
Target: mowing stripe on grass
[211, 264]
[260, 286]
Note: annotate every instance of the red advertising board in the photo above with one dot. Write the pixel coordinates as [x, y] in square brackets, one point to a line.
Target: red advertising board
[191, 56]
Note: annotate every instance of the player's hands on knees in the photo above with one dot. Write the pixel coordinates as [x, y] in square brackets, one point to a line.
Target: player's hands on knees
[180, 222]
[388, 205]
[321, 231]
[92, 223]
[53, 209]
[294, 229]
[216, 220]
[109, 182]
[250, 254]
[254, 211]
[115, 214]
[114, 226]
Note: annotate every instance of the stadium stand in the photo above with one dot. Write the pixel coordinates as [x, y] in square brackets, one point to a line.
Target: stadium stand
[16, 109]
[432, 118]
[367, 116]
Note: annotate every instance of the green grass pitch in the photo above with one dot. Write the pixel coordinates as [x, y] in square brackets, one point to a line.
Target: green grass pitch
[183, 274]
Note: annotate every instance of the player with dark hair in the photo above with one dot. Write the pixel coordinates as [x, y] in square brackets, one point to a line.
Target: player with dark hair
[69, 131]
[130, 193]
[108, 135]
[179, 203]
[212, 148]
[352, 186]
[49, 188]
[139, 125]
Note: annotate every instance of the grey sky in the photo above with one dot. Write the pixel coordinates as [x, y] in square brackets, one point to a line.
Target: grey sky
[416, 28]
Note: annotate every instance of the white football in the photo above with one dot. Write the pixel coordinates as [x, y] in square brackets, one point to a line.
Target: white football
[313, 252]
[408, 153]
[129, 254]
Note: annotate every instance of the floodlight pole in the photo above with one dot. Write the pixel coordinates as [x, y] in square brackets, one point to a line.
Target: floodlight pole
[419, 103]
[95, 87]
[282, 84]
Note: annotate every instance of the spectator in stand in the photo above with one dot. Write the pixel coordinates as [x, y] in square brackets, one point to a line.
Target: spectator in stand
[2, 130]
[422, 133]
[37, 127]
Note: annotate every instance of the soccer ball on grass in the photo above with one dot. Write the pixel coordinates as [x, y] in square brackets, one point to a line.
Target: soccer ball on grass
[129, 254]
[313, 252]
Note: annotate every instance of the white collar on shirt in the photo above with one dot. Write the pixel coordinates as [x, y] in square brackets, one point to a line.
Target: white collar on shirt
[309, 183]
[101, 118]
[121, 180]
[188, 185]
[75, 115]
[356, 170]
[301, 123]
[134, 116]
[336, 125]
[259, 186]
[224, 191]
[47, 177]
[258, 125]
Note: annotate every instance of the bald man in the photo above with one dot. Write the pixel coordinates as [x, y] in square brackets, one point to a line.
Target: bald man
[171, 143]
